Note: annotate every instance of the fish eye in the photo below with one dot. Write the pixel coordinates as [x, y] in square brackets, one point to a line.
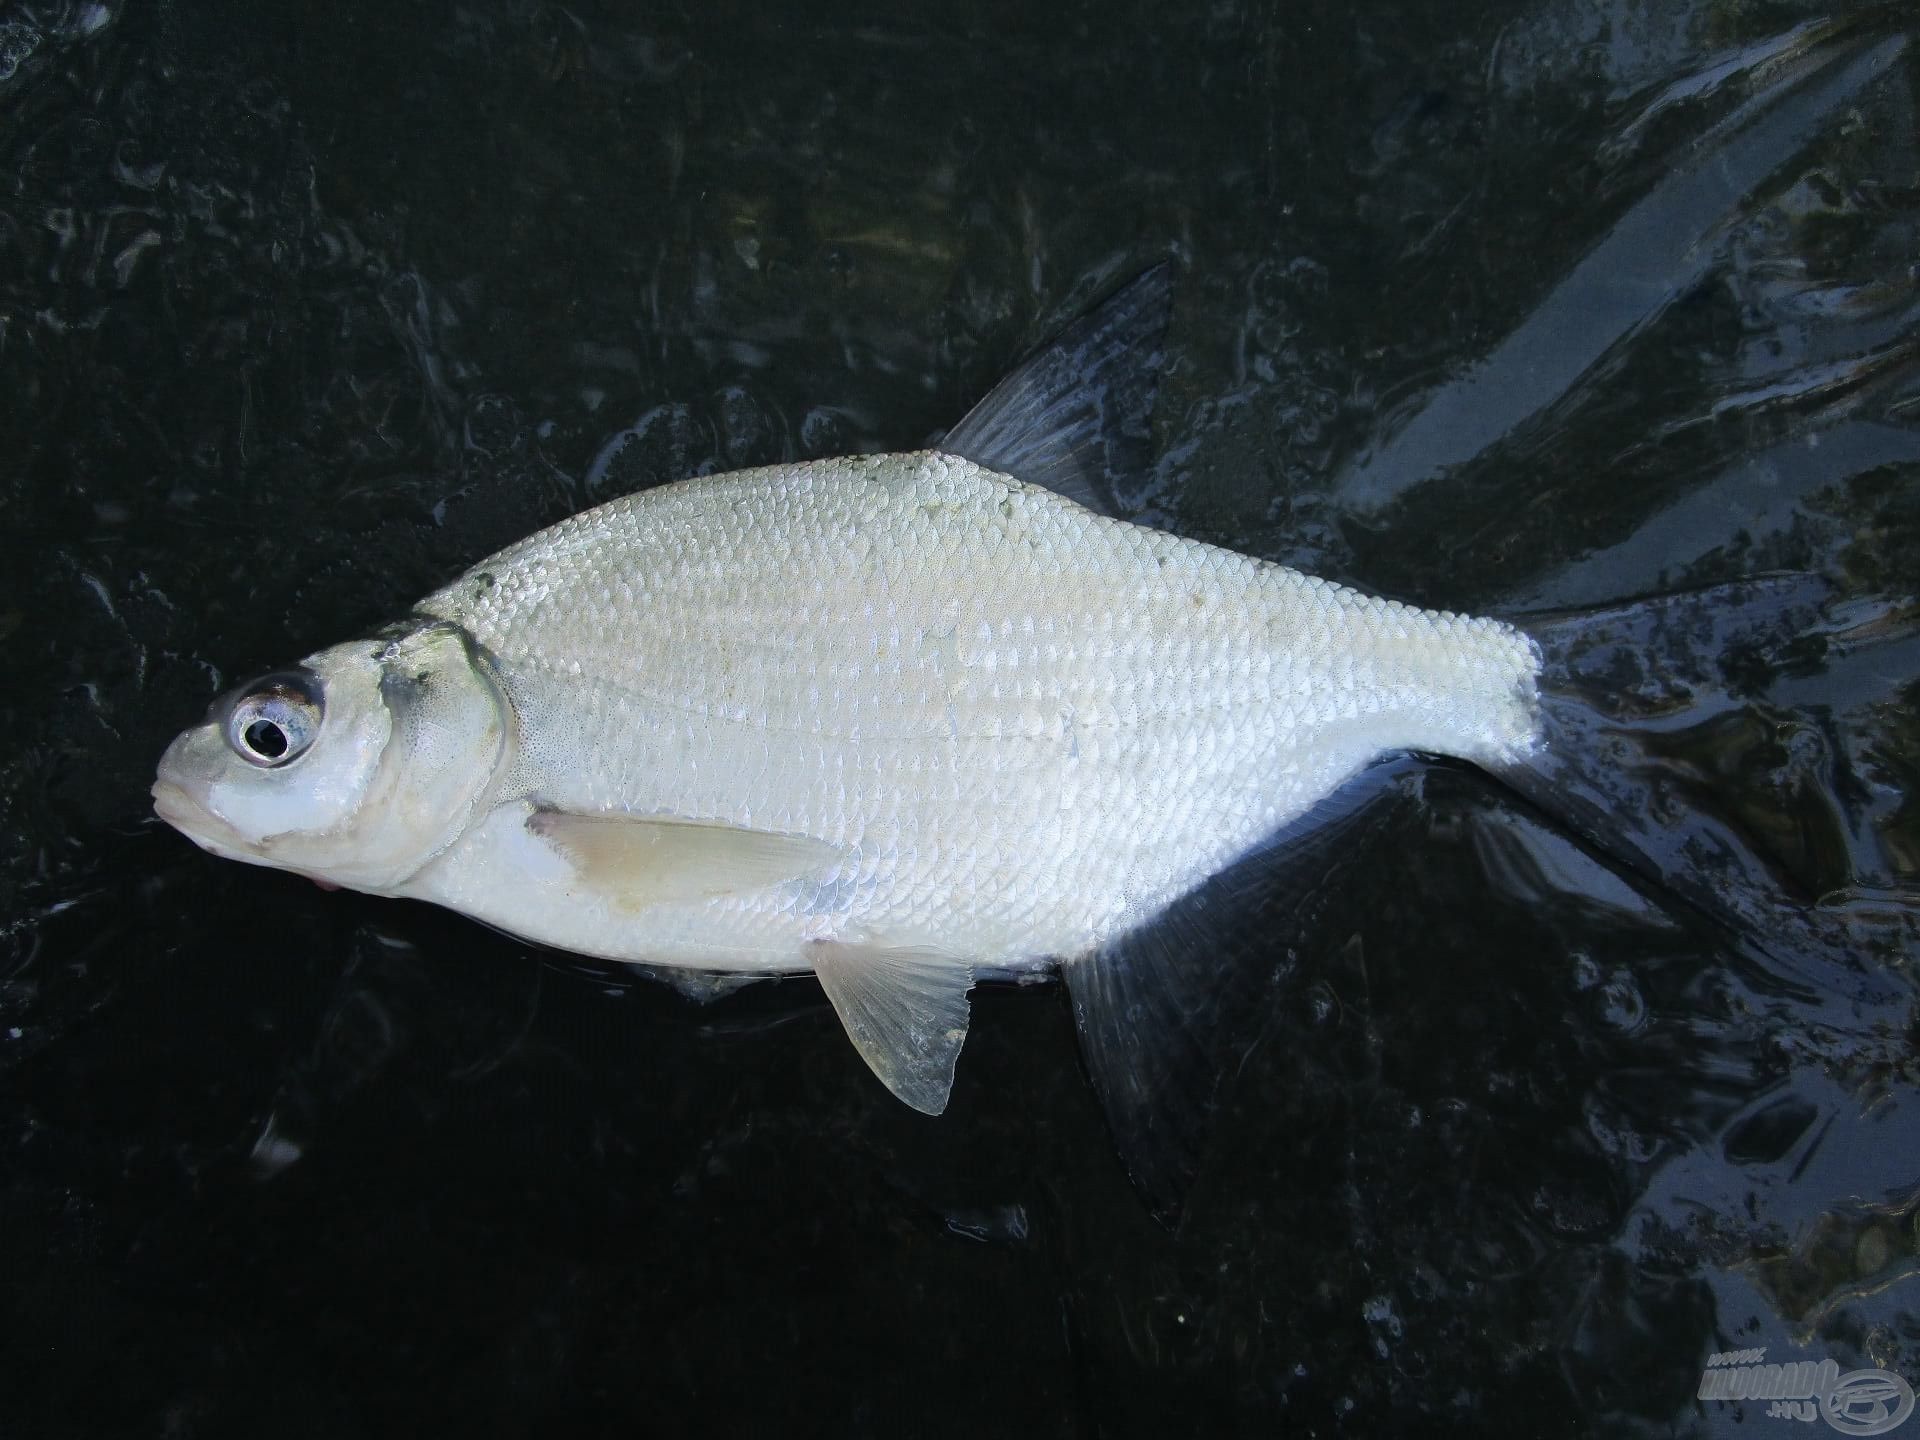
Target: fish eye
[275, 719]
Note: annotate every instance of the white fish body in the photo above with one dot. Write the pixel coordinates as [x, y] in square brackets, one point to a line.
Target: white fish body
[895, 719]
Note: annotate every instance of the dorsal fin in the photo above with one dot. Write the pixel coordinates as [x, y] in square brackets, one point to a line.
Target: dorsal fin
[1073, 417]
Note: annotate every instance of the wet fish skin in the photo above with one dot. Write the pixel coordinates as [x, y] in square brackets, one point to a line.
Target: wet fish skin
[1018, 727]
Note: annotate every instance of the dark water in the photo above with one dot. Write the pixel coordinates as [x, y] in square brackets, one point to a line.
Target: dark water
[302, 309]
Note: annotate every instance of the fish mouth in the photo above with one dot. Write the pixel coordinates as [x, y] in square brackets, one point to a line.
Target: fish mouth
[173, 804]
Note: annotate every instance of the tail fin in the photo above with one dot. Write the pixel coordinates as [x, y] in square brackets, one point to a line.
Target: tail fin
[1701, 741]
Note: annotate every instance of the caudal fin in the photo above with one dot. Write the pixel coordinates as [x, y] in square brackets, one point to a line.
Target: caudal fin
[1701, 741]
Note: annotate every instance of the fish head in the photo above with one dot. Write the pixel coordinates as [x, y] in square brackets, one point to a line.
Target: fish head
[355, 767]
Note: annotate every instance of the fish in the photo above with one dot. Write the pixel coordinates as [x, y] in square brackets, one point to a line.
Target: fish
[901, 721]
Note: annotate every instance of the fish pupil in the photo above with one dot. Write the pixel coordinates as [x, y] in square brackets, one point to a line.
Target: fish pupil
[266, 739]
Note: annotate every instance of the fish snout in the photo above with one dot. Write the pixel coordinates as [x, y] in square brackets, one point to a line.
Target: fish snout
[182, 798]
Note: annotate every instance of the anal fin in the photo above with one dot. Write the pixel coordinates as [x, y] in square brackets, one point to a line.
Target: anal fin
[905, 1009]
[1168, 1010]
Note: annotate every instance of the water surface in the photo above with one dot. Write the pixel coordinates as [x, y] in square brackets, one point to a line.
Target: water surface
[1493, 305]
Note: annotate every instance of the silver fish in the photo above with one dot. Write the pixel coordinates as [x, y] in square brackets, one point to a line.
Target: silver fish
[898, 720]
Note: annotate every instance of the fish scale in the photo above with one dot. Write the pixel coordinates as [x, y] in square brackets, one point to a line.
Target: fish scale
[931, 667]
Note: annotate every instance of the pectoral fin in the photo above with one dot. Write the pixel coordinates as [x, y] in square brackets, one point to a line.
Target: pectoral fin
[905, 1010]
[635, 861]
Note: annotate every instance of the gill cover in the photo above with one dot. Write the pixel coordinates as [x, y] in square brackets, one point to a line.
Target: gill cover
[450, 723]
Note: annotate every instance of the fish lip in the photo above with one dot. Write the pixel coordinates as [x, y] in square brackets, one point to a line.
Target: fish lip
[173, 804]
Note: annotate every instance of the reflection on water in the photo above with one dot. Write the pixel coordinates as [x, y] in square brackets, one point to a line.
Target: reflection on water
[1501, 305]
